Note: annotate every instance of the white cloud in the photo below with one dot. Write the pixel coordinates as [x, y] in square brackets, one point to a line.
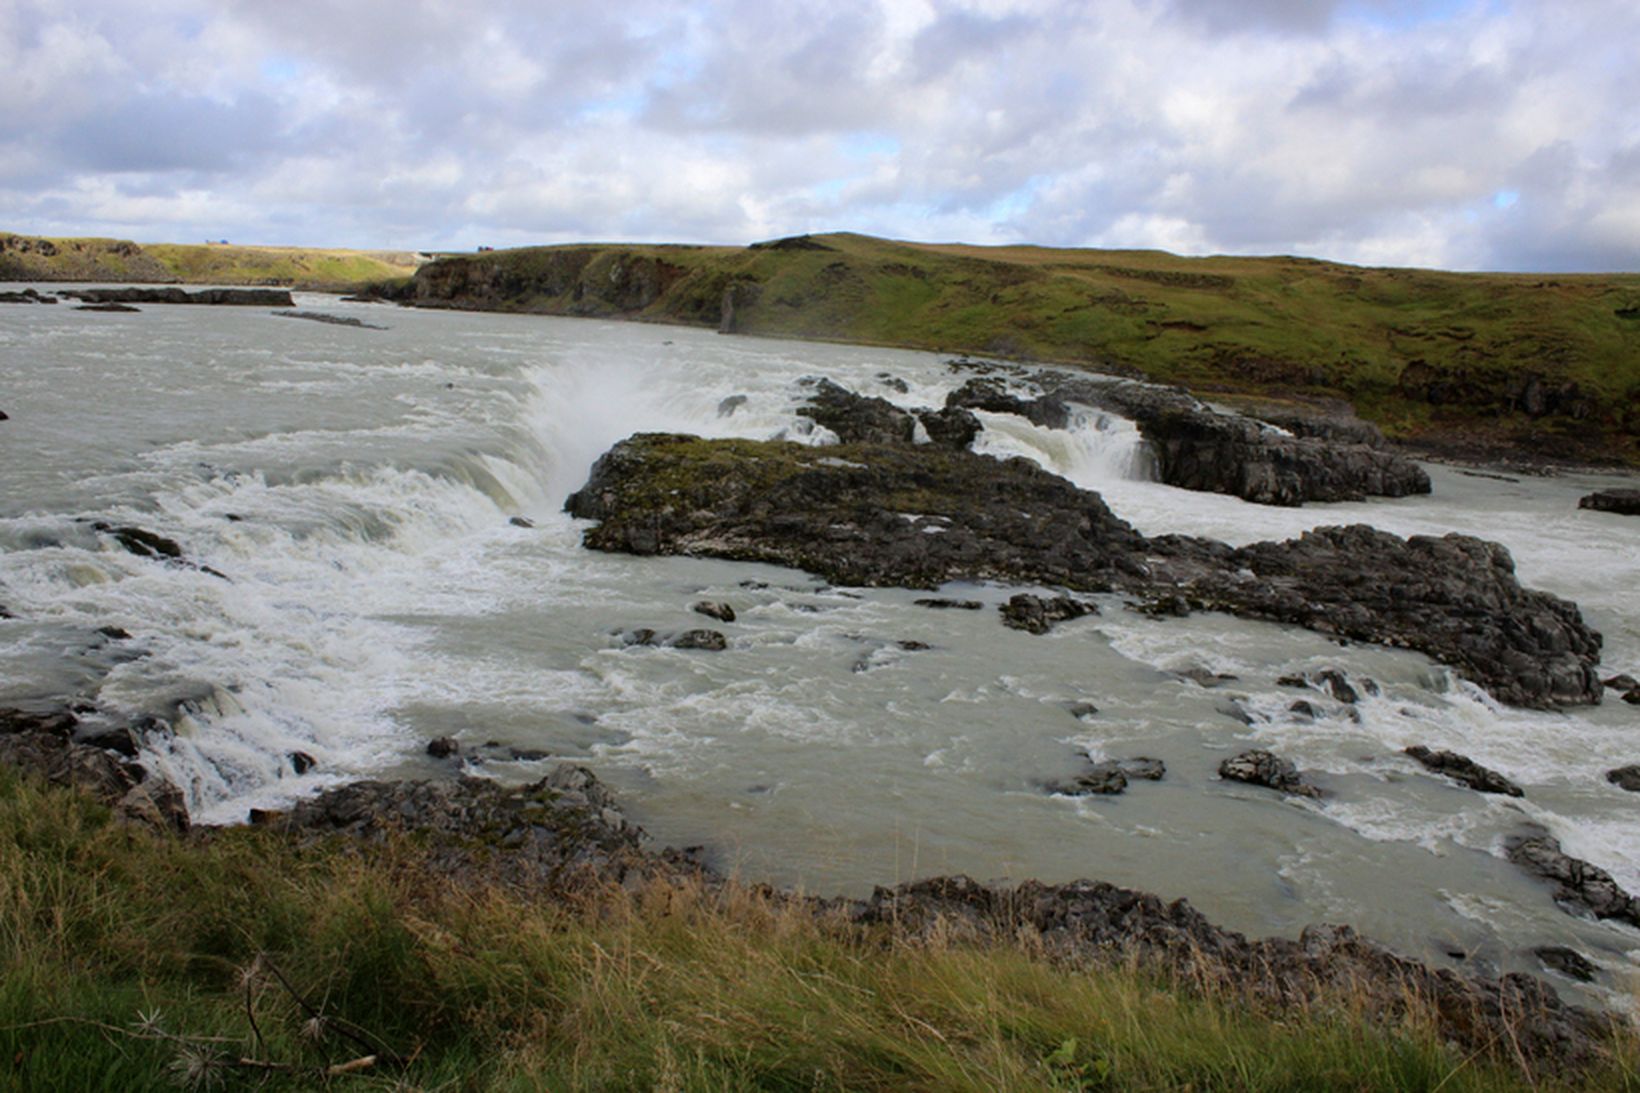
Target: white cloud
[1376, 130]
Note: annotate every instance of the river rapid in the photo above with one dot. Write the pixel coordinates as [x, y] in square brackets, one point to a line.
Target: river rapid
[355, 489]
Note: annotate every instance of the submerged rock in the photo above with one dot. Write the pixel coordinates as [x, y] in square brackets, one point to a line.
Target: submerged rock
[1110, 776]
[1568, 962]
[232, 297]
[939, 603]
[921, 516]
[1461, 768]
[142, 543]
[333, 320]
[1262, 768]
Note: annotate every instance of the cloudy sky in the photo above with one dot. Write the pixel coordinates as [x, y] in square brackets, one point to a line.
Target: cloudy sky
[1475, 134]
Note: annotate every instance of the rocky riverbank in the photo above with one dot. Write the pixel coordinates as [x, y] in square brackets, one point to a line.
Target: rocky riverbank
[566, 832]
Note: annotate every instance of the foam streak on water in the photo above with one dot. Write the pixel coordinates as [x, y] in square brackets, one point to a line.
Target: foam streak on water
[355, 490]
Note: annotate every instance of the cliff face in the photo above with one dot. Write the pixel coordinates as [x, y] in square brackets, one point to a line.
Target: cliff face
[1477, 365]
[120, 261]
[588, 281]
[23, 258]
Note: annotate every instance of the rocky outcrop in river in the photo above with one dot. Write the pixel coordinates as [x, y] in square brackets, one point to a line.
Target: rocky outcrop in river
[232, 297]
[1199, 448]
[916, 516]
[1622, 502]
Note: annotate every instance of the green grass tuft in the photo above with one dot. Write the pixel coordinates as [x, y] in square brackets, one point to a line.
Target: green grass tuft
[135, 961]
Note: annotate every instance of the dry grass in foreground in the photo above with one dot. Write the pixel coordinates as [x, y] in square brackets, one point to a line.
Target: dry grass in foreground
[136, 961]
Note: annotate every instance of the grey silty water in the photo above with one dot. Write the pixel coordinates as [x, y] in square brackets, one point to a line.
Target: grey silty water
[355, 488]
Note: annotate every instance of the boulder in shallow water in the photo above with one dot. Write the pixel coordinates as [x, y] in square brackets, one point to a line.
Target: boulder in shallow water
[715, 609]
[1262, 768]
[1037, 614]
[1579, 885]
[1625, 777]
[1109, 777]
[1461, 768]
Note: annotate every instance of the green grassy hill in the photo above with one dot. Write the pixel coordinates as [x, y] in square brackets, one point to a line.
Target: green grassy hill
[27, 258]
[1477, 364]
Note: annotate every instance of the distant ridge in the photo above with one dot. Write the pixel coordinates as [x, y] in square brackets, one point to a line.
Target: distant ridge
[33, 258]
[1473, 365]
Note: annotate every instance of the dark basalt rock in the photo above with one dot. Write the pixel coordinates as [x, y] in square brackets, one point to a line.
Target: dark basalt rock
[1261, 768]
[112, 307]
[27, 296]
[1622, 502]
[42, 745]
[1337, 684]
[232, 297]
[1579, 885]
[1625, 777]
[563, 826]
[921, 516]
[521, 522]
[991, 395]
[939, 603]
[855, 514]
[1454, 597]
[301, 762]
[1101, 778]
[1461, 768]
[142, 543]
[710, 640]
[1199, 448]
[951, 428]
[443, 747]
[715, 610]
[859, 419]
[120, 741]
[1568, 962]
[1036, 614]
[1109, 777]
[58, 723]
[333, 320]
[1204, 677]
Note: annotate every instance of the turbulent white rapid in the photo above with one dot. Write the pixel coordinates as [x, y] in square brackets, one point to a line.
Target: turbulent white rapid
[355, 584]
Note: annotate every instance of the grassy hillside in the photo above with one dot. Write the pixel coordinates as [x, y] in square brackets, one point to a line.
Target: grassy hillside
[1489, 363]
[138, 961]
[27, 258]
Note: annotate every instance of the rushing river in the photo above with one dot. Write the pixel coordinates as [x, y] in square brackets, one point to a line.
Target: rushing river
[355, 487]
